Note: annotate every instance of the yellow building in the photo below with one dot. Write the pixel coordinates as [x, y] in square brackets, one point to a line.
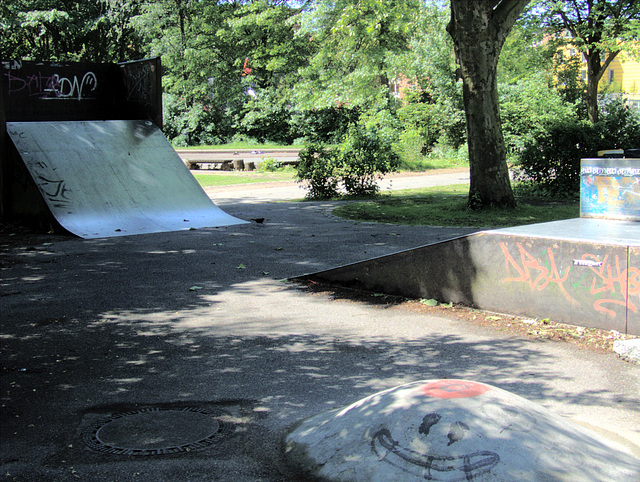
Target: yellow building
[622, 77]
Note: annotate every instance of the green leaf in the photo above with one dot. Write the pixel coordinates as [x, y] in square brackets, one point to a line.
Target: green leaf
[430, 302]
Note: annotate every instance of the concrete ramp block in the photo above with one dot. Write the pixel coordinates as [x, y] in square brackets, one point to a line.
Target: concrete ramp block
[453, 430]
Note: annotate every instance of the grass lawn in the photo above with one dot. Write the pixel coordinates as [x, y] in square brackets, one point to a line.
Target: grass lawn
[243, 145]
[447, 206]
[209, 179]
[435, 206]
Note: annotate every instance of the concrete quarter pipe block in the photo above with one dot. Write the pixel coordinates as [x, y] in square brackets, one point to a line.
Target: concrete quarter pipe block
[113, 178]
[451, 430]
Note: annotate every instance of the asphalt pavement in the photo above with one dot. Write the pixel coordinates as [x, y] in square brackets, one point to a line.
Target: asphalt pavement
[196, 341]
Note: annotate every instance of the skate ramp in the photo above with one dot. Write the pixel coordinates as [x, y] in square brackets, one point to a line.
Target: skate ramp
[580, 271]
[113, 178]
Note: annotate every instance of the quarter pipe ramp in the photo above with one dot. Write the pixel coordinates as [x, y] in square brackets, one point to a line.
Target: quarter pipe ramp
[113, 178]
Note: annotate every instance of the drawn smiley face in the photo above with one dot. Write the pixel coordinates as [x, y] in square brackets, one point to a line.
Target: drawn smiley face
[431, 465]
[435, 463]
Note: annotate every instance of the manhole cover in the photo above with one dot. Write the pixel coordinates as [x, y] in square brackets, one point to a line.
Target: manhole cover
[156, 431]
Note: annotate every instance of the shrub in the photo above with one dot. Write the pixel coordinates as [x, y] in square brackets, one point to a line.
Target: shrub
[269, 164]
[266, 119]
[619, 126]
[356, 164]
[317, 167]
[551, 160]
[363, 158]
[410, 148]
[325, 126]
[528, 108]
[435, 121]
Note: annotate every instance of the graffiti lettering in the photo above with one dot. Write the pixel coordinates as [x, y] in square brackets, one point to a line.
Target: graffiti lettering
[53, 188]
[53, 86]
[610, 279]
[12, 64]
[537, 275]
[611, 284]
[138, 83]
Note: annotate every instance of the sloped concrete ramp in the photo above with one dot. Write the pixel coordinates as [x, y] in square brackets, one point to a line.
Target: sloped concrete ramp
[113, 178]
[580, 271]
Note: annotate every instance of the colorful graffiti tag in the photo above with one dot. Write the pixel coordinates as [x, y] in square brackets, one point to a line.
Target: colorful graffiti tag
[607, 279]
[610, 191]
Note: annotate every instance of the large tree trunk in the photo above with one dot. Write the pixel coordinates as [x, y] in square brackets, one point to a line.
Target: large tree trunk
[594, 74]
[595, 71]
[479, 29]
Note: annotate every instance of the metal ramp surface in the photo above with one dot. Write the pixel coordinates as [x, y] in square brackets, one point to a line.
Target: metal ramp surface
[113, 178]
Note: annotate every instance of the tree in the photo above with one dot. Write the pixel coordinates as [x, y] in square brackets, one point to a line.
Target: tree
[359, 46]
[264, 35]
[76, 30]
[479, 30]
[599, 29]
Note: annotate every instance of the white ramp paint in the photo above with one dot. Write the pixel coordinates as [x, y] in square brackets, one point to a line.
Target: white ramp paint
[113, 178]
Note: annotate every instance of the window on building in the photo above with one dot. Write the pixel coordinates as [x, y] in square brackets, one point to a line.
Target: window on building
[610, 75]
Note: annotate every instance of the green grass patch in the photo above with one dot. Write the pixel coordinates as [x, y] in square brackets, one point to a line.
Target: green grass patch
[447, 206]
[428, 164]
[231, 179]
[244, 145]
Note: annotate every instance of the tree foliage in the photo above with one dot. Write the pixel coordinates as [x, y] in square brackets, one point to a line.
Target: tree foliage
[598, 29]
[359, 50]
[550, 159]
[352, 75]
[75, 30]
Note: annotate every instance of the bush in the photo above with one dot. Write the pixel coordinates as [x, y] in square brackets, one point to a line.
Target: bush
[324, 126]
[619, 126]
[363, 158]
[551, 160]
[317, 167]
[528, 108]
[356, 164]
[266, 119]
[193, 125]
[269, 164]
[435, 121]
[410, 148]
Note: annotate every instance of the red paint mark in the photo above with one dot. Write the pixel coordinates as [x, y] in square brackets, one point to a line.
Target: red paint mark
[246, 70]
[454, 389]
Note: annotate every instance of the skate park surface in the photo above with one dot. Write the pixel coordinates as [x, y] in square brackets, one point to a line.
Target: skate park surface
[201, 321]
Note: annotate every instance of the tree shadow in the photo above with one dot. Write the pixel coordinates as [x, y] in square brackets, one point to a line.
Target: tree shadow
[203, 317]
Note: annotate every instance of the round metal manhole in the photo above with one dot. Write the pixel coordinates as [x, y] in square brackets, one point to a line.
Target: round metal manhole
[156, 431]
